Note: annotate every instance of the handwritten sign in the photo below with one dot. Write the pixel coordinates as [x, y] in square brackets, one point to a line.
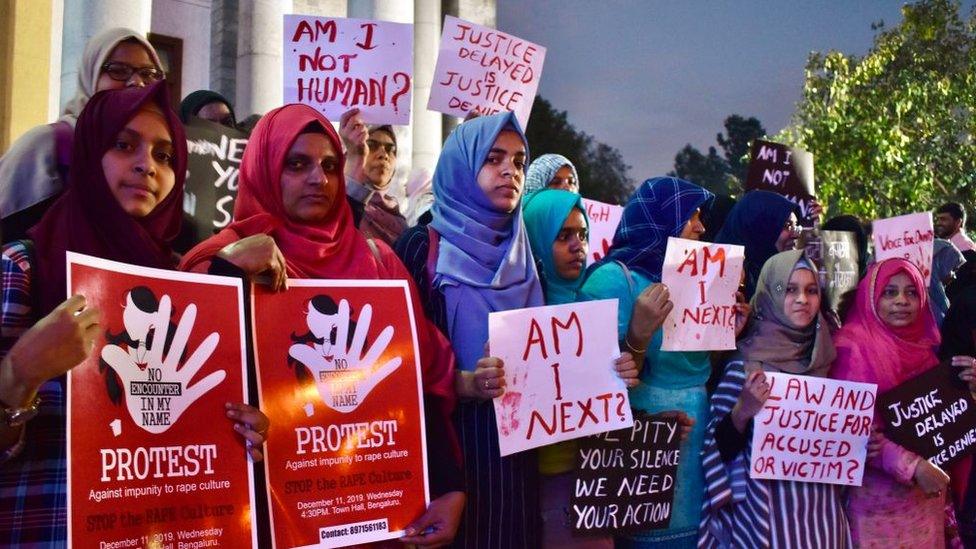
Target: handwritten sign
[933, 415]
[839, 257]
[480, 69]
[152, 458]
[909, 237]
[559, 375]
[813, 429]
[702, 279]
[604, 219]
[784, 170]
[339, 376]
[211, 180]
[625, 479]
[336, 64]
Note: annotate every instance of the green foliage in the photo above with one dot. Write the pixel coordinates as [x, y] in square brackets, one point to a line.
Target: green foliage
[721, 175]
[892, 132]
[602, 170]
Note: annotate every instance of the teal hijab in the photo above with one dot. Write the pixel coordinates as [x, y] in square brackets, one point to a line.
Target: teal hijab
[545, 212]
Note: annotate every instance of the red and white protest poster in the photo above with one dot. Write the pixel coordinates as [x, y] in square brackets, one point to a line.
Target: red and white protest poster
[336, 64]
[559, 375]
[603, 219]
[813, 429]
[153, 460]
[702, 279]
[339, 377]
[909, 237]
[480, 69]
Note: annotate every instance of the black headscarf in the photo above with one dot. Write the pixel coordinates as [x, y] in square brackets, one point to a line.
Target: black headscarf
[192, 104]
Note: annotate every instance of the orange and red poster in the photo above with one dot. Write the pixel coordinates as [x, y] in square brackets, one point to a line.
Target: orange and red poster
[153, 461]
[339, 376]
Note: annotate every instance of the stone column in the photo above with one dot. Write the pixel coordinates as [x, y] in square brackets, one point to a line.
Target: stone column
[86, 18]
[259, 43]
[427, 131]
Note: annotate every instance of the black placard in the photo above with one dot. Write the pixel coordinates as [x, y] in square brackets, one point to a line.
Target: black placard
[625, 479]
[784, 170]
[932, 415]
[211, 180]
[839, 257]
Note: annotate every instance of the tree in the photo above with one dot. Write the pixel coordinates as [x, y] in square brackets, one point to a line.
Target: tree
[721, 175]
[892, 132]
[601, 168]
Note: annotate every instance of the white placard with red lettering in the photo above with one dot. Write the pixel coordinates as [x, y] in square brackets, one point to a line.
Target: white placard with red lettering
[483, 70]
[909, 237]
[336, 64]
[559, 374]
[813, 429]
[604, 219]
[702, 279]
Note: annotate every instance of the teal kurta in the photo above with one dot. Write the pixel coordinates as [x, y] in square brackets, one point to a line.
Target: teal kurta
[669, 381]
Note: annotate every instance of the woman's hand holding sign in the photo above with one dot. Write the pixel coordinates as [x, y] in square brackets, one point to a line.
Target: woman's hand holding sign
[258, 256]
[753, 397]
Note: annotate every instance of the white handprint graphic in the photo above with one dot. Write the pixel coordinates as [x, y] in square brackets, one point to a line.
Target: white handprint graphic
[157, 389]
[343, 374]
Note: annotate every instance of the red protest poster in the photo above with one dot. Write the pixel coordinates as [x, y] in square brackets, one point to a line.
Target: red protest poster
[339, 376]
[153, 460]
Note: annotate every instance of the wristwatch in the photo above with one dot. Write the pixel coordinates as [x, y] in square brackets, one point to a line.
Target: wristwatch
[15, 417]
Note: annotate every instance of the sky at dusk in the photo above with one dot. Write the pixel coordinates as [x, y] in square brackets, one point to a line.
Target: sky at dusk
[649, 76]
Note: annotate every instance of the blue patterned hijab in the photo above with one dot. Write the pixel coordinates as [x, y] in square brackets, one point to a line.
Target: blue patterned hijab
[661, 207]
[545, 213]
[756, 222]
[543, 169]
[484, 262]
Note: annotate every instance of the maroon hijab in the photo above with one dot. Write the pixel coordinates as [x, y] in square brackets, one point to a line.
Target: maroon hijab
[87, 218]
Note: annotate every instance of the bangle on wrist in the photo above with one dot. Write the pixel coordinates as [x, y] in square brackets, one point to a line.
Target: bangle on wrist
[631, 348]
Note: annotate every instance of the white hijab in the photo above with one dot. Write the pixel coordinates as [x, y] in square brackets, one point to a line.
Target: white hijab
[97, 52]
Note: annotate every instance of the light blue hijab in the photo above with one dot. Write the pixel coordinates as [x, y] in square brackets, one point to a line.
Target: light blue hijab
[545, 213]
[484, 260]
[542, 170]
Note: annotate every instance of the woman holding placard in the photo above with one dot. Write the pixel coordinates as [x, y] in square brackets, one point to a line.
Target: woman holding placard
[557, 225]
[473, 259]
[890, 336]
[124, 203]
[662, 207]
[291, 219]
[765, 223]
[788, 334]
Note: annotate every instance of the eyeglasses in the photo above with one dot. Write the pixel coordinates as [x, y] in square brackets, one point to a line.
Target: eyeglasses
[122, 72]
[374, 146]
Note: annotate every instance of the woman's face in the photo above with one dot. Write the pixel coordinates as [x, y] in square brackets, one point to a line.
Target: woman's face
[129, 53]
[899, 303]
[310, 178]
[217, 112]
[569, 248]
[139, 165]
[788, 235]
[502, 174]
[694, 228]
[802, 298]
[564, 180]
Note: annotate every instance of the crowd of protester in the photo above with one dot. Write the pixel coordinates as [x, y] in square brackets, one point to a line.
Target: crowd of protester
[489, 231]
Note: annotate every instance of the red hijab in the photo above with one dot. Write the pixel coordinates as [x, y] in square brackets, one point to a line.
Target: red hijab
[87, 218]
[870, 350]
[330, 249]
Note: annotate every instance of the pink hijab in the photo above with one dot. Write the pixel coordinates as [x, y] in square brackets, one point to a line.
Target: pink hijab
[870, 350]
